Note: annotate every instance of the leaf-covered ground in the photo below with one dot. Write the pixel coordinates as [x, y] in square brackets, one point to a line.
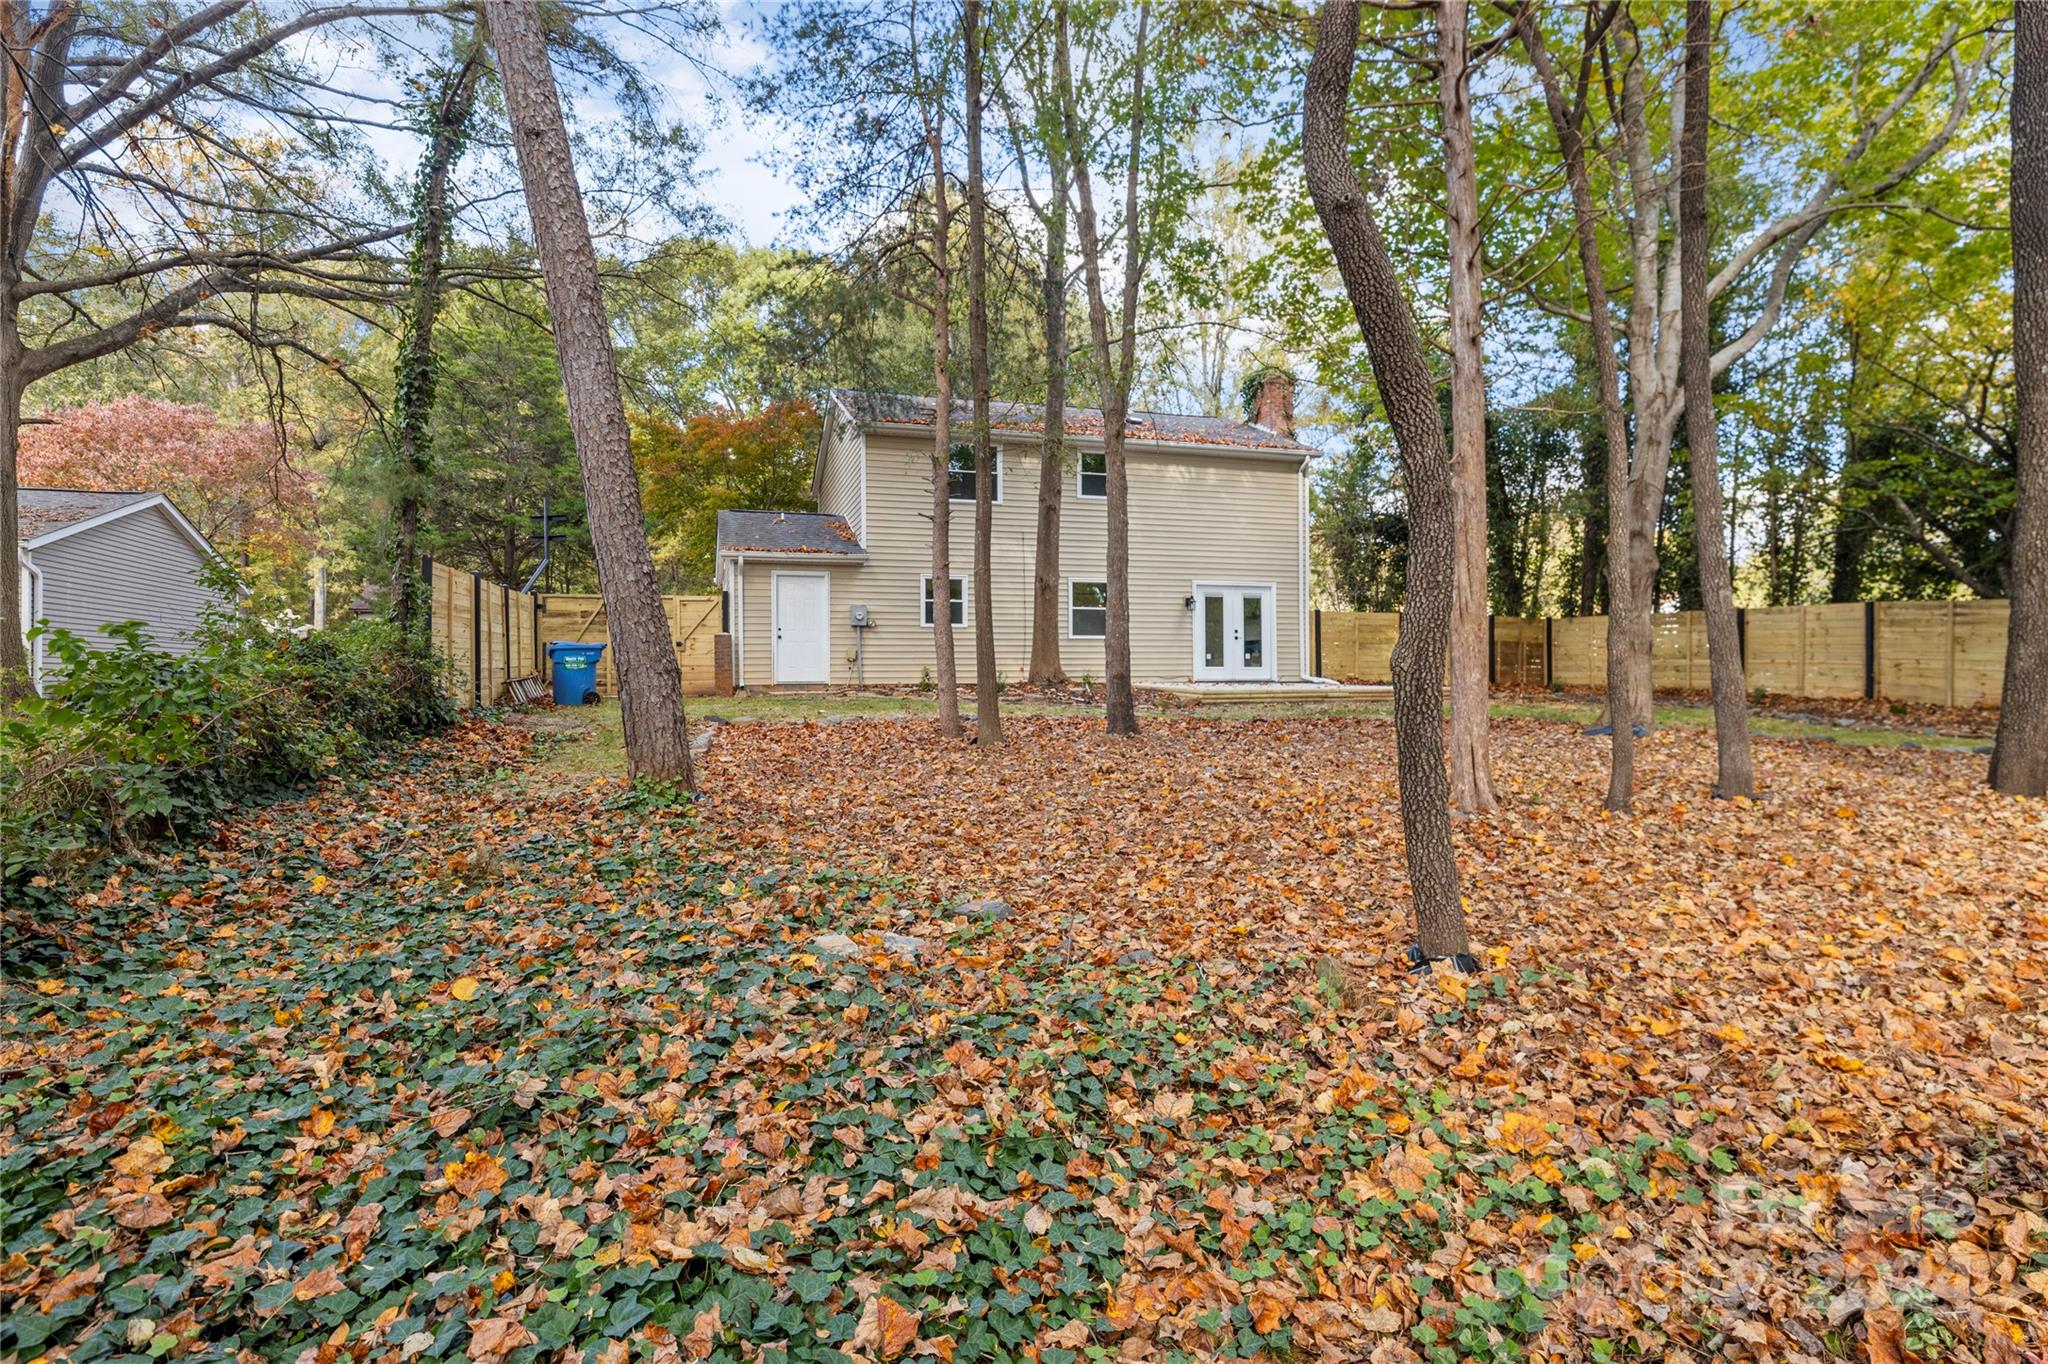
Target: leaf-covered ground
[453, 1063]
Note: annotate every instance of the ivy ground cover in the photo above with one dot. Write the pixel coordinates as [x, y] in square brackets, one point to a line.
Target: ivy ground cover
[450, 1062]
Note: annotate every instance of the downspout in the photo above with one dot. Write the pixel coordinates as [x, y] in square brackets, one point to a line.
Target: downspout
[1307, 674]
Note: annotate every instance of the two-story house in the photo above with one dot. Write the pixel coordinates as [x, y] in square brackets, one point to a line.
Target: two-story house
[1218, 537]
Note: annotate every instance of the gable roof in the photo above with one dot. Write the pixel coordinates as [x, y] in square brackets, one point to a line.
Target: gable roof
[1165, 428]
[773, 532]
[45, 515]
[43, 510]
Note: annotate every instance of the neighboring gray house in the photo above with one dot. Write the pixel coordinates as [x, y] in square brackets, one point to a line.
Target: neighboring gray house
[93, 559]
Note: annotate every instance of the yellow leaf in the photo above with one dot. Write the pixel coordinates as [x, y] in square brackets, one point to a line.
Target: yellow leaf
[464, 989]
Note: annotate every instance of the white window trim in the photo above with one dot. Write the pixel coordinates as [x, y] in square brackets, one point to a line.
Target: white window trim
[1102, 496]
[924, 587]
[1071, 608]
[995, 501]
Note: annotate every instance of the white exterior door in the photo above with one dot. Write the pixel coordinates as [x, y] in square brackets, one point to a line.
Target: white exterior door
[803, 627]
[1233, 632]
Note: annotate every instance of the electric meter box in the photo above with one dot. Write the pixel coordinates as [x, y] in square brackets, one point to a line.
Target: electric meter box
[858, 614]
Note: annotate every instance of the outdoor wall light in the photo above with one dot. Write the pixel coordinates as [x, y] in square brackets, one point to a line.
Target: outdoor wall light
[1189, 602]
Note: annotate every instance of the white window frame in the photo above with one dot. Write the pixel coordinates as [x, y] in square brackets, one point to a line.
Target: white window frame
[1080, 469]
[924, 595]
[996, 500]
[1103, 583]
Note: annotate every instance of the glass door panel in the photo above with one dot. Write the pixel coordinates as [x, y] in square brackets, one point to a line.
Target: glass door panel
[1252, 651]
[1214, 655]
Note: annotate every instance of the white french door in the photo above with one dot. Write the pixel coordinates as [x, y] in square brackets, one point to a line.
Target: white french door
[1233, 632]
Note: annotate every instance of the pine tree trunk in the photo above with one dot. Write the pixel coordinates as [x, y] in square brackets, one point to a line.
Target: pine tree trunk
[643, 651]
[15, 682]
[1408, 392]
[1568, 122]
[1724, 647]
[413, 400]
[1471, 750]
[2019, 762]
[988, 716]
[1046, 668]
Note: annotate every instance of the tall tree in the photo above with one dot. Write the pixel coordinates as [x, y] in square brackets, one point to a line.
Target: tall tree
[1568, 121]
[931, 103]
[1736, 776]
[650, 682]
[1047, 130]
[1408, 393]
[447, 129]
[133, 105]
[1471, 753]
[1116, 365]
[1897, 117]
[988, 717]
[2019, 762]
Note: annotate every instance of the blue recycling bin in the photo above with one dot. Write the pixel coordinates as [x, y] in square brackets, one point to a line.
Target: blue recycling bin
[575, 671]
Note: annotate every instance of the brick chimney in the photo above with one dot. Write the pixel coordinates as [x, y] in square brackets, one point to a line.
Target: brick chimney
[1273, 403]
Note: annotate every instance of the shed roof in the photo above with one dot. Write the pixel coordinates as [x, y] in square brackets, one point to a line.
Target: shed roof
[1170, 428]
[774, 532]
[43, 510]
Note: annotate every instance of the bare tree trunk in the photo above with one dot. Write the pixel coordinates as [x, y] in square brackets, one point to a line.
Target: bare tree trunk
[1724, 648]
[1569, 124]
[414, 396]
[988, 716]
[1471, 750]
[945, 667]
[1116, 369]
[1046, 667]
[2019, 762]
[643, 651]
[1408, 392]
[15, 682]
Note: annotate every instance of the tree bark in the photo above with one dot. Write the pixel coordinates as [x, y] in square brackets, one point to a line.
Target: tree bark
[1046, 668]
[988, 716]
[1471, 750]
[1115, 366]
[416, 379]
[945, 667]
[2019, 761]
[643, 651]
[1736, 775]
[1569, 124]
[1408, 392]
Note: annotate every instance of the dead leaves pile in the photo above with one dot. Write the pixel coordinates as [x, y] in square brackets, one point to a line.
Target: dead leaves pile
[1837, 988]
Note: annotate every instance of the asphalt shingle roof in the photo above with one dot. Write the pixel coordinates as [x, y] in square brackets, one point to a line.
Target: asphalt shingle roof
[42, 510]
[772, 532]
[911, 410]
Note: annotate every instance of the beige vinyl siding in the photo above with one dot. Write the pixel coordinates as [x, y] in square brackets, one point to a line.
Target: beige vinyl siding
[755, 612]
[1225, 517]
[839, 491]
[134, 567]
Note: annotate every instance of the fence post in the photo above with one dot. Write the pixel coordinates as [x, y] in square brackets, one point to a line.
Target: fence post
[476, 637]
[1549, 655]
[1316, 625]
[1741, 640]
[1870, 651]
[1492, 652]
[1951, 651]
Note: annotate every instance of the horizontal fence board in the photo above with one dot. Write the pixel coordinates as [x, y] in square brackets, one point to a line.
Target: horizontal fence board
[1944, 653]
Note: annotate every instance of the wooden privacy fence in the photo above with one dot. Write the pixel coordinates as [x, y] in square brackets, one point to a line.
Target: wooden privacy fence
[693, 623]
[1945, 653]
[489, 632]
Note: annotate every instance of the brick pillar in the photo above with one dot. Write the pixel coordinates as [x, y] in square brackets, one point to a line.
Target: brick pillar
[721, 665]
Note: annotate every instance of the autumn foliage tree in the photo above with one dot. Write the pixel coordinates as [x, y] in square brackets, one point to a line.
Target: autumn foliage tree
[231, 479]
[716, 461]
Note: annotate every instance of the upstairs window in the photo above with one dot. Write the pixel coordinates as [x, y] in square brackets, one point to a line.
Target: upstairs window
[1087, 610]
[1094, 474]
[960, 474]
[956, 593]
